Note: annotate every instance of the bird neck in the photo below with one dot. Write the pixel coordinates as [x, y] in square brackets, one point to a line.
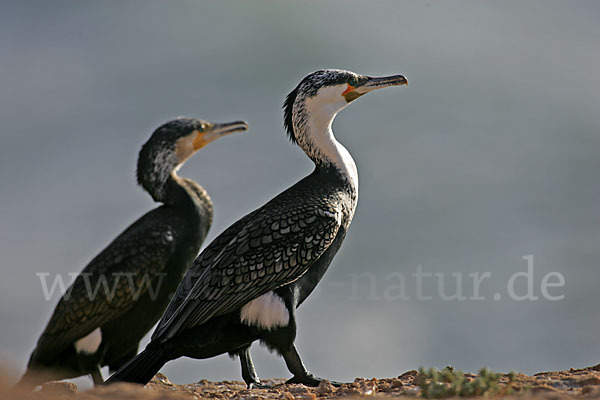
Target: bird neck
[182, 192]
[312, 123]
[172, 190]
[157, 174]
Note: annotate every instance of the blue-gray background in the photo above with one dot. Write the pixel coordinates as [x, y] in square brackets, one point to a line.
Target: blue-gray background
[489, 155]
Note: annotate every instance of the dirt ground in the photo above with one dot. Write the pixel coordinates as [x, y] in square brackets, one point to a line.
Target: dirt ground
[575, 383]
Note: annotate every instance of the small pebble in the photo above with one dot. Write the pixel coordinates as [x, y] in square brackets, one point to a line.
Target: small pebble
[58, 387]
[324, 388]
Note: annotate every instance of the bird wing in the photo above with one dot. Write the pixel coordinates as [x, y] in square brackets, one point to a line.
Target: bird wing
[274, 247]
[108, 286]
[202, 263]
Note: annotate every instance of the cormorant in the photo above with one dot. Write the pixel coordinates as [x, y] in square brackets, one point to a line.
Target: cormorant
[247, 284]
[125, 289]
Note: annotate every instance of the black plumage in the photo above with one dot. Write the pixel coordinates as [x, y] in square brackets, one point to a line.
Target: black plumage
[246, 285]
[125, 289]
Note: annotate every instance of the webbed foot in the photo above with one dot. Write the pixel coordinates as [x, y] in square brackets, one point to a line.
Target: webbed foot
[259, 385]
[309, 379]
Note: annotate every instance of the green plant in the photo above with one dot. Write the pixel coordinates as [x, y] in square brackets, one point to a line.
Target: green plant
[448, 382]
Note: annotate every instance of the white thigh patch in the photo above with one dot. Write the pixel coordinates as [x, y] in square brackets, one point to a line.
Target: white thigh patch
[90, 343]
[267, 312]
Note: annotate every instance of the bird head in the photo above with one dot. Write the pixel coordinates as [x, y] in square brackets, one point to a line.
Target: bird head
[173, 143]
[327, 92]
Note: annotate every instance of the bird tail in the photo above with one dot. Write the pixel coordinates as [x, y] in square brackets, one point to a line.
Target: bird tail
[31, 378]
[27, 382]
[142, 368]
[36, 375]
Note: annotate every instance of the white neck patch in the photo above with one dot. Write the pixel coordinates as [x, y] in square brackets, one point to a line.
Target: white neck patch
[316, 137]
[267, 312]
[89, 344]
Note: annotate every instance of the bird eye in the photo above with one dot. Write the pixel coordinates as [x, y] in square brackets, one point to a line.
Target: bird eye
[202, 128]
[353, 81]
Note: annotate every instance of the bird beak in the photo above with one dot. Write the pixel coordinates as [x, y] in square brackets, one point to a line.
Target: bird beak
[216, 131]
[378, 83]
[373, 84]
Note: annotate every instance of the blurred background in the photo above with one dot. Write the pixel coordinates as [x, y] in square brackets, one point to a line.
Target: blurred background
[489, 155]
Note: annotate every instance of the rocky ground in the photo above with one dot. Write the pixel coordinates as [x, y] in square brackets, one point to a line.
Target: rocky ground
[578, 383]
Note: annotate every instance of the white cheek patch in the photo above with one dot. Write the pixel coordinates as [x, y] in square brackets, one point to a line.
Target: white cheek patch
[89, 344]
[267, 312]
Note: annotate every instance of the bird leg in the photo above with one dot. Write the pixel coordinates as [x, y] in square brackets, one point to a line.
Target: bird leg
[97, 376]
[248, 370]
[90, 364]
[297, 368]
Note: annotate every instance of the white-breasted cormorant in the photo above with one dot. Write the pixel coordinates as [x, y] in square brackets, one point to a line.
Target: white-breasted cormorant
[247, 284]
[125, 289]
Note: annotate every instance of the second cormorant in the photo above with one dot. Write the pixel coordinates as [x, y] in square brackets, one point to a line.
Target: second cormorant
[125, 289]
[247, 284]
